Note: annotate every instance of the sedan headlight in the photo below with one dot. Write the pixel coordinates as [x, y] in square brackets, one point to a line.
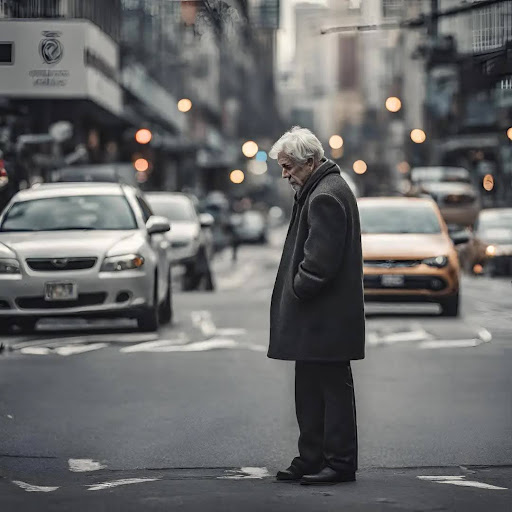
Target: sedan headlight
[119, 263]
[437, 261]
[490, 250]
[9, 266]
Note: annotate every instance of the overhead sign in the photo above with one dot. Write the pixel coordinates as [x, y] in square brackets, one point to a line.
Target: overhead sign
[60, 59]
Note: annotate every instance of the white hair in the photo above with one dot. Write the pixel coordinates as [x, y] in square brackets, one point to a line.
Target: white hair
[299, 144]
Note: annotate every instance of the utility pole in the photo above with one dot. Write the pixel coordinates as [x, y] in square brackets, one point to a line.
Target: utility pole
[433, 26]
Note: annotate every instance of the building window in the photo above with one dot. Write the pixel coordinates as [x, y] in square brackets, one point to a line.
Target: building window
[393, 8]
[492, 27]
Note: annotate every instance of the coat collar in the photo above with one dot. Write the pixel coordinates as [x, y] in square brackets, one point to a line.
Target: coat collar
[326, 167]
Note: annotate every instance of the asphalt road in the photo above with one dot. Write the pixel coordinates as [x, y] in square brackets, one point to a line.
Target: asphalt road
[94, 416]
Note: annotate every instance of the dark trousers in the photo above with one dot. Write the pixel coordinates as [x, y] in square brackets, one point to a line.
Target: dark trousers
[326, 413]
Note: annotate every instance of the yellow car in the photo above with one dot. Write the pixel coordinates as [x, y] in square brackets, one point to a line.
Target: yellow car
[408, 254]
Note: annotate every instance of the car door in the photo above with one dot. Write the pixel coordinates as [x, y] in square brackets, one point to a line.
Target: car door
[159, 245]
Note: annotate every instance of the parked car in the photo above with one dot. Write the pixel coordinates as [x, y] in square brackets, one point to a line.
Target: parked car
[252, 227]
[453, 191]
[190, 239]
[489, 250]
[83, 250]
[408, 254]
[108, 173]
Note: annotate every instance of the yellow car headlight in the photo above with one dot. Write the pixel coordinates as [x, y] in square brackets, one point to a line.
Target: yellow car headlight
[490, 251]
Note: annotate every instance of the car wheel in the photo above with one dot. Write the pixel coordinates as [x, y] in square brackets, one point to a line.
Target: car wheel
[165, 312]
[147, 320]
[450, 306]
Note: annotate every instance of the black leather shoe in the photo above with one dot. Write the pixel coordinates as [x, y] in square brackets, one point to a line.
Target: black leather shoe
[291, 474]
[328, 476]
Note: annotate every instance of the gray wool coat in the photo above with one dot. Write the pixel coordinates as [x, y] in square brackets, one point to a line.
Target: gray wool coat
[317, 308]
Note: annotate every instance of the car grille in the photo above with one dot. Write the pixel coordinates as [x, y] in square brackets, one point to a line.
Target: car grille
[391, 263]
[410, 283]
[84, 299]
[60, 264]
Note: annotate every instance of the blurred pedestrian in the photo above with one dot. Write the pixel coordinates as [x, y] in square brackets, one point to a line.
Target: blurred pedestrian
[317, 311]
[234, 222]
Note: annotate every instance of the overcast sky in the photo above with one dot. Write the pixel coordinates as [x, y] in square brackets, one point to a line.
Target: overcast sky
[286, 34]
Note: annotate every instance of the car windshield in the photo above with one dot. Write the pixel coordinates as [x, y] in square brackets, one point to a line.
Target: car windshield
[440, 175]
[67, 213]
[388, 219]
[176, 209]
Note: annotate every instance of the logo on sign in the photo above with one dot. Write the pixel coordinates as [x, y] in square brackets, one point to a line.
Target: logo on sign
[51, 48]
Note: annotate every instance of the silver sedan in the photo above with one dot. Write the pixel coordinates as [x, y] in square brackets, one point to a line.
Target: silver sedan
[83, 250]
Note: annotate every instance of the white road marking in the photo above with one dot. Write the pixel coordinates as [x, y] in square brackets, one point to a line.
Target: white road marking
[10, 416]
[230, 332]
[33, 488]
[203, 321]
[450, 343]
[484, 335]
[416, 333]
[84, 465]
[117, 483]
[197, 346]
[441, 478]
[69, 350]
[247, 473]
[155, 346]
[460, 481]
[99, 338]
[36, 351]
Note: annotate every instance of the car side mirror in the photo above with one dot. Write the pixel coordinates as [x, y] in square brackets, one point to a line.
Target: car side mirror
[206, 220]
[157, 224]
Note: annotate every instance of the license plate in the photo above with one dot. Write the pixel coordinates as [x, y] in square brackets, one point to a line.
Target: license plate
[392, 281]
[60, 291]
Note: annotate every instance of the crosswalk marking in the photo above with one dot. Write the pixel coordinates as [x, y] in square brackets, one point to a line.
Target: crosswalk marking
[461, 482]
[84, 465]
[247, 473]
[33, 488]
[117, 483]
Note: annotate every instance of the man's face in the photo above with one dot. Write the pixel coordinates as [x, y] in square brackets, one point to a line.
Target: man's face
[295, 173]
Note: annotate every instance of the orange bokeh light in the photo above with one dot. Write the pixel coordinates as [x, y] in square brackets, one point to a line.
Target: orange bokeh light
[143, 136]
[141, 165]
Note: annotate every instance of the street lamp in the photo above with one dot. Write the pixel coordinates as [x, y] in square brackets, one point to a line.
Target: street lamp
[509, 133]
[393, 104]
[237, 176]
[184, 105]
[143, 136]
[336, 142]
[249, 148]
[360, 167]
[418, 136]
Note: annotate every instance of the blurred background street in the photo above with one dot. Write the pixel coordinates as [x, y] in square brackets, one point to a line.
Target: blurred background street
[142, 223]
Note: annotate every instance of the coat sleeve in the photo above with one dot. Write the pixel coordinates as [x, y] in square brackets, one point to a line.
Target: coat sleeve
[323, 250]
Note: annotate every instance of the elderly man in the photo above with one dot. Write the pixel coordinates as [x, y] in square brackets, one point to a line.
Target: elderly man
[317, 311]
